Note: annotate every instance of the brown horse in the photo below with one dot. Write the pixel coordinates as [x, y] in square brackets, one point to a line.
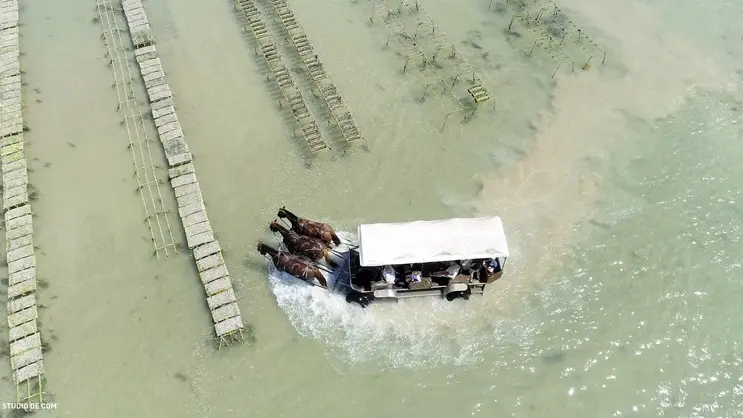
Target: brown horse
[303, 245]
[296, 265]
[310, 228]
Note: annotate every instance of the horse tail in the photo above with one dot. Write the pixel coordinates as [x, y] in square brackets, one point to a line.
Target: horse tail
[320, 277]
[336, 240]
[329, 259]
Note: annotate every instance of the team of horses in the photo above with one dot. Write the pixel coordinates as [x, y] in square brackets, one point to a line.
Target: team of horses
[307, 243]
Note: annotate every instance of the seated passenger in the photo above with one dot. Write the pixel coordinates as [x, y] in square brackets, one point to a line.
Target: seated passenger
[389, 275]
[415, 276]
[451, 271]
[487, 269]
[478, 272]
[496, 265]
[466, 266]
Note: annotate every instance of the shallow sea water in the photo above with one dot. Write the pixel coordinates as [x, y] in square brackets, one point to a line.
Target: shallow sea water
[619, 189]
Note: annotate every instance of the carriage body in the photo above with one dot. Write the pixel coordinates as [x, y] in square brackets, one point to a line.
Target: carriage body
[419, 252]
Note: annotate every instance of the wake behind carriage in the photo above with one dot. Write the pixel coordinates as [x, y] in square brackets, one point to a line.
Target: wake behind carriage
[451, 258]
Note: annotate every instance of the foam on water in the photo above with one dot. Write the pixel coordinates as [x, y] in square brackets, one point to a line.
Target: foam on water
[413, 333]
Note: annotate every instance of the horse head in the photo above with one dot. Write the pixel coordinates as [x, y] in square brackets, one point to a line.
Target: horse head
[282, 212]
[265, 249]
[285, 214]
[275, 226]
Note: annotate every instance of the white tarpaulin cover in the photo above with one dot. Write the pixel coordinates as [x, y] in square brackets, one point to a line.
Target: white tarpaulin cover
[430, 241]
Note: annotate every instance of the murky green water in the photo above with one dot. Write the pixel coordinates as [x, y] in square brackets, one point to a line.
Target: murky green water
[619, 188]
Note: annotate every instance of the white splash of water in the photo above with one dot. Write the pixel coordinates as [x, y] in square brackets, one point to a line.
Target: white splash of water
[409, 334]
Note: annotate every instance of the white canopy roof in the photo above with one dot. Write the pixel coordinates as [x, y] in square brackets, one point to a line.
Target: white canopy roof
[431, 241]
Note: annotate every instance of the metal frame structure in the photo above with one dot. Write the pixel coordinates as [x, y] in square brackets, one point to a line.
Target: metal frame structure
[411, 51]
[206, 251]
[461, 69]
[339, 111]
[554, 50]
[145, 170]
[26, 347]
[428, 32]
[289, 89]
[571, 31]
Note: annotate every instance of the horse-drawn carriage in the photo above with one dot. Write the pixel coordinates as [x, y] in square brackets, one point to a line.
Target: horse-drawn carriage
[452, 258]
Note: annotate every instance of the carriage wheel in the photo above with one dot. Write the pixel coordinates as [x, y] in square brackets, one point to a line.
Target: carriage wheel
[359, 298]
[455, 295]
